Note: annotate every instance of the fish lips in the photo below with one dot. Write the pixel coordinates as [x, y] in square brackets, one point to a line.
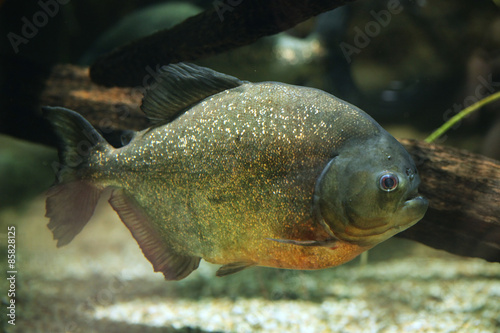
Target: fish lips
[413, 208]
[418, 204]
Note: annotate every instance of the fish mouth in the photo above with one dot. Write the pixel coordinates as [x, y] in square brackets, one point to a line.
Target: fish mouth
[414, 196]
[414, 208]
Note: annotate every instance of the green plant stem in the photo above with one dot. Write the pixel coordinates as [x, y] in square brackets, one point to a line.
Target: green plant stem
[465, 112]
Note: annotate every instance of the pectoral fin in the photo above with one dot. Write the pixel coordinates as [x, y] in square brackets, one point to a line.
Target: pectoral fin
[332, 243]
[174, 266]
[234, 267]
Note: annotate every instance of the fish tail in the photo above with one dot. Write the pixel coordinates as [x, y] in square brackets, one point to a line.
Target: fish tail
[72, 200]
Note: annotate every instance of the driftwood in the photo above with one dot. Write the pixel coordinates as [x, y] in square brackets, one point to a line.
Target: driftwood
[463, 188]
[227, 25]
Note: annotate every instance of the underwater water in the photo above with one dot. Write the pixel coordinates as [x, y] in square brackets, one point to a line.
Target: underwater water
[412, 65]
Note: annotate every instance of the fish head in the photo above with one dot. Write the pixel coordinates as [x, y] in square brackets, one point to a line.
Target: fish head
[369, 191]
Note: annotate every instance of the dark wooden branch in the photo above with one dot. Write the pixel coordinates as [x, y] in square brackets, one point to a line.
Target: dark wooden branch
[464, 196]
[463, 188]
[105, 108]
[228, 25]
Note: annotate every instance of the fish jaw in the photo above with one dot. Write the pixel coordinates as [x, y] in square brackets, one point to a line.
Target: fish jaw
[413, 211]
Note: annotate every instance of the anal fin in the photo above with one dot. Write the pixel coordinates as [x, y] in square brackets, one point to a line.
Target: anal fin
[174, 266]
[233, 267]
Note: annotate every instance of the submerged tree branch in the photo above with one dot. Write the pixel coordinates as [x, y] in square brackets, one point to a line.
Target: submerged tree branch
[228, 25]
[463, 188]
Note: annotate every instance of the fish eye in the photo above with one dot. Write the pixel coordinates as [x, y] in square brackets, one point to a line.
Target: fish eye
[388, 182]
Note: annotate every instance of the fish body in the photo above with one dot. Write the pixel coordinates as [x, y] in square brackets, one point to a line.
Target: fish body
[241, 174]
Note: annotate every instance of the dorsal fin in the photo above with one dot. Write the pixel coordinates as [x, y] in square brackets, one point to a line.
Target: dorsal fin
[178, 87]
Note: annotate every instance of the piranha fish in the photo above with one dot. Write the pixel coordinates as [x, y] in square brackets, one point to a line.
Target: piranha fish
[240, 174]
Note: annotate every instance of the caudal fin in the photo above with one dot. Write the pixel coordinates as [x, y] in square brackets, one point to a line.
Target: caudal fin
[72, 200]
